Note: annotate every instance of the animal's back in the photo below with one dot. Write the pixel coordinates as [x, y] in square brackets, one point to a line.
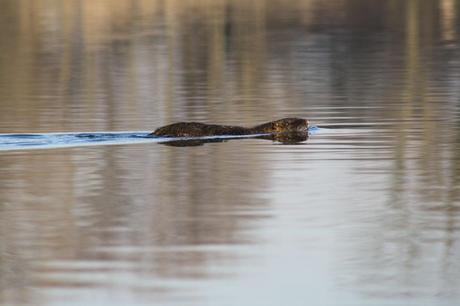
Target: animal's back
[198, 129]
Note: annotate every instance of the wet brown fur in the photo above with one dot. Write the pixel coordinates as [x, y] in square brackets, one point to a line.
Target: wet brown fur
[197, 129]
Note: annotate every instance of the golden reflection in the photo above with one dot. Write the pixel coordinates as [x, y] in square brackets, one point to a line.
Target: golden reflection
[448, 19]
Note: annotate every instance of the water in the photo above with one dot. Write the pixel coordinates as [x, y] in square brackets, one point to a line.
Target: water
[364, 213]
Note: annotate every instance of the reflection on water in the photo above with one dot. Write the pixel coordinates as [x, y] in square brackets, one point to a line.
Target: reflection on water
[22, 141]
[365, 215]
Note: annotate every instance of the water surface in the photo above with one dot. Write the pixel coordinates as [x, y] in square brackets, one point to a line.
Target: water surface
[367, 213]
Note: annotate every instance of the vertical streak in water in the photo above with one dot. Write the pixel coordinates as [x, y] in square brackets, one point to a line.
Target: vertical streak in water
[447, 11]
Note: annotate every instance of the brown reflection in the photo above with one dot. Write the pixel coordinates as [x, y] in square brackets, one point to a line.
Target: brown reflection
[283, 138]
[419, 230]
[448, 16]
[151, 210]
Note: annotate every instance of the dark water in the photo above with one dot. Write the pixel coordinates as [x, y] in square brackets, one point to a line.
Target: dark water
[367, 213]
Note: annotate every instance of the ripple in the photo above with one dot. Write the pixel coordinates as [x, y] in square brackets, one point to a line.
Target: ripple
[19, 141]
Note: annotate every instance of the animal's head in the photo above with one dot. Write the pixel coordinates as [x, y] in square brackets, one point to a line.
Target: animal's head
[289, 125]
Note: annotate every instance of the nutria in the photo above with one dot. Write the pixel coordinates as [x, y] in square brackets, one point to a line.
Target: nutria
[197, 129]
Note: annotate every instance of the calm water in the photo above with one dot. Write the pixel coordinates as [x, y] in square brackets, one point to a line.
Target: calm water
[366, 215]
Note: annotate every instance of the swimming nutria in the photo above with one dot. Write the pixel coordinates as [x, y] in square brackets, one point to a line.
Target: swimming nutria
[197, 129]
